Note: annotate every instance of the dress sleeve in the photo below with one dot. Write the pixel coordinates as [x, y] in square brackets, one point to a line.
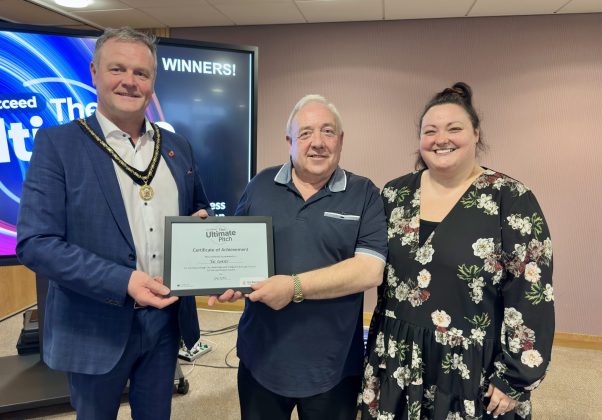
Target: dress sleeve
[527, 330]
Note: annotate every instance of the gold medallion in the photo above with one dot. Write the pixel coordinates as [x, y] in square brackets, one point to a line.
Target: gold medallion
[146, 192]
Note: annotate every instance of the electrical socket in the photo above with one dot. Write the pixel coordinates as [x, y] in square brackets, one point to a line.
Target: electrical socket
[197, 351]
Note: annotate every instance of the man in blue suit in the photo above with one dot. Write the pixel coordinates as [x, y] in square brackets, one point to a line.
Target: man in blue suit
[92, 221]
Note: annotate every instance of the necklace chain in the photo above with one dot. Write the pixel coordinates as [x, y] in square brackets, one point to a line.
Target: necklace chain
[139, 177]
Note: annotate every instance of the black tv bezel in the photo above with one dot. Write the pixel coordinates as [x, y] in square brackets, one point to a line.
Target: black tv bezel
[8, 260]
[12, 260]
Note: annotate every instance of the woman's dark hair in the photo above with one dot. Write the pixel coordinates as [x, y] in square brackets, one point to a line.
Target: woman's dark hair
[459, 94]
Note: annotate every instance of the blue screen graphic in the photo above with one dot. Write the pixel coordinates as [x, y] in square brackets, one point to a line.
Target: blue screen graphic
[203, 93]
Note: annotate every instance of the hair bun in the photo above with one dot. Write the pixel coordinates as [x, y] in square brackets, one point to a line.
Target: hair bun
[460, 89]
[463, 90]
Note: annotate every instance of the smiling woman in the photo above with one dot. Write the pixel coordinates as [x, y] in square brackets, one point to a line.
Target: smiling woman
[461, 96]
[464, 323]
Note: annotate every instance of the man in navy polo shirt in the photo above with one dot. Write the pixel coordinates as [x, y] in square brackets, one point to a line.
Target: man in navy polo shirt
[300, 338]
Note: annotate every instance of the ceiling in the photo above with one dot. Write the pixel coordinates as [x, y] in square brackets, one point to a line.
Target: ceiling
[191, 13]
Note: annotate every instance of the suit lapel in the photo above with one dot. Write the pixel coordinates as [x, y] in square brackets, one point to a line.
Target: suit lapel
[107, 180]
[177, 166]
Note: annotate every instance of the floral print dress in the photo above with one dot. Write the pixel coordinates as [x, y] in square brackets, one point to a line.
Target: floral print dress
[473, 305]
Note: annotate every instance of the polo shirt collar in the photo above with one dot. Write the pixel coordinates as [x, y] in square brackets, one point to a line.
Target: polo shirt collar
[337, 182]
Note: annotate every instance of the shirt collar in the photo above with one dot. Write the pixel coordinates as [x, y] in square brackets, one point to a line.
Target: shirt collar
[337, 182]
[109, 128]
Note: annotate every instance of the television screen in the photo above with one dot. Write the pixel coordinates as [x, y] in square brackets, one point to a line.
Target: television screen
[204, 91]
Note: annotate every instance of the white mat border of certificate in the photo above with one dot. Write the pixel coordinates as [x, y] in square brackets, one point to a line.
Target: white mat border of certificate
[202, 278]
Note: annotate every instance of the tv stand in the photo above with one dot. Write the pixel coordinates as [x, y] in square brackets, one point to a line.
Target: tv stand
[26, 381]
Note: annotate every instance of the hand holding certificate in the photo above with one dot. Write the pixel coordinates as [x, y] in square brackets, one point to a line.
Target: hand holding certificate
[209, 256]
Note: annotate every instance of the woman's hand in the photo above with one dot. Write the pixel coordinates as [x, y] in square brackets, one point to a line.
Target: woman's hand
[499, 403]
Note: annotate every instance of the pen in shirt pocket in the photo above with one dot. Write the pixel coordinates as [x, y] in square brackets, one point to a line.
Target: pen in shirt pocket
[341, 215]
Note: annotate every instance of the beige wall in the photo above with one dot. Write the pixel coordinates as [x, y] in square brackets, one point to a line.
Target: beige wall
[537, 82]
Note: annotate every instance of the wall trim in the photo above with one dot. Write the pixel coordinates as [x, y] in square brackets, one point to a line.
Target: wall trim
[580, 341]
[367, 318]
[563, 339]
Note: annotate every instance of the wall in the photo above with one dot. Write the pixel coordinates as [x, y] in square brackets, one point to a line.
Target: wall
[17, 290]
[537, 82]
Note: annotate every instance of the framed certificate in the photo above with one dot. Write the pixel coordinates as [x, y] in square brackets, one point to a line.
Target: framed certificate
[209, 256]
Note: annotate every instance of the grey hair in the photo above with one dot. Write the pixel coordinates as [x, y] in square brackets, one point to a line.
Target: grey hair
[311, 99]
[126, 34]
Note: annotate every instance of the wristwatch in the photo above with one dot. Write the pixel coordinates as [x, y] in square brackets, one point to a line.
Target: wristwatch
[298, 295]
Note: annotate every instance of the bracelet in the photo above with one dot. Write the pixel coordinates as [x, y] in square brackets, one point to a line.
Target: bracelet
[298, 294]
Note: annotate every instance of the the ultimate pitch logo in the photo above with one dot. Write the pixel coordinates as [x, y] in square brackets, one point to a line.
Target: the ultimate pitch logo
[220, 235]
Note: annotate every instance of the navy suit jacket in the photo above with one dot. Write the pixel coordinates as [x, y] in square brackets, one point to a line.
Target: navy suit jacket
[73, 230]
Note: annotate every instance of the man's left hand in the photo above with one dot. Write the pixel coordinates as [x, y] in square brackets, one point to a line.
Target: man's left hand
[228, 296]
[202, 213]
[276, 291]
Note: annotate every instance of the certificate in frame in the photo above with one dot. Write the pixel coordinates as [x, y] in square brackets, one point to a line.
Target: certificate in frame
[209, 256]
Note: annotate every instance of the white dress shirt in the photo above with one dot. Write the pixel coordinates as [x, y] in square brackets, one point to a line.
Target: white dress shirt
[146, 218]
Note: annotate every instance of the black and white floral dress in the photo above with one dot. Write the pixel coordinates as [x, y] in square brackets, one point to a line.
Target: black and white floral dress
[472, 305]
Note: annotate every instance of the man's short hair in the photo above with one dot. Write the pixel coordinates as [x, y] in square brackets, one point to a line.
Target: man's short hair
[310, 99]
[126, 34]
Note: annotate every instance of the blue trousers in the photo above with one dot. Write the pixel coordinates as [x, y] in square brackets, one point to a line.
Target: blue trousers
[148, 362]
